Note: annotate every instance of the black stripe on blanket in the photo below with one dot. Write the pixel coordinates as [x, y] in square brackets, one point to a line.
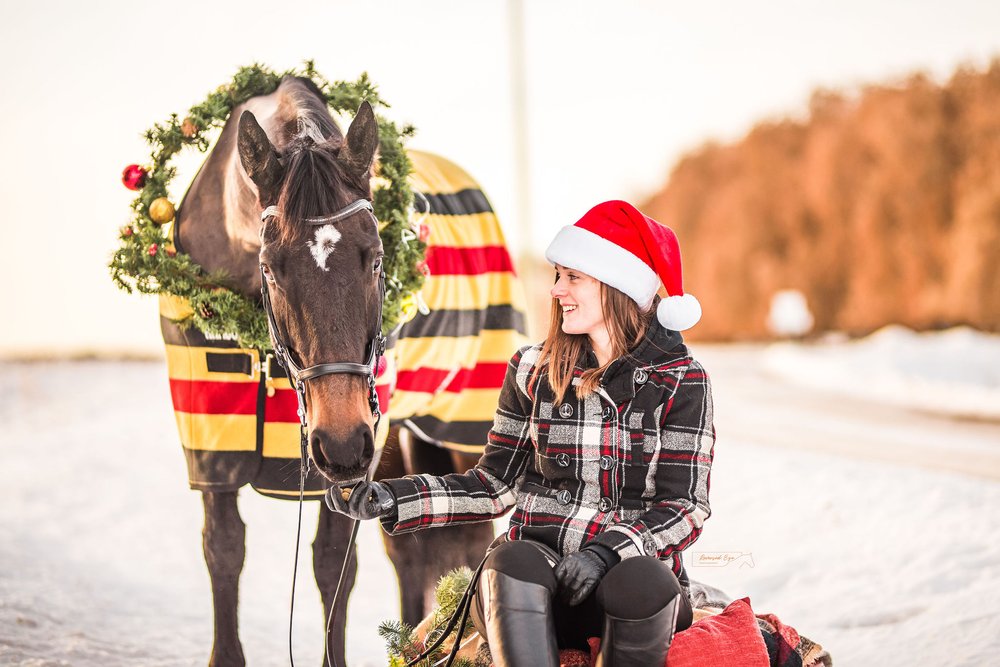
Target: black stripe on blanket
[459, 432]
[464, 322]
[463, 202]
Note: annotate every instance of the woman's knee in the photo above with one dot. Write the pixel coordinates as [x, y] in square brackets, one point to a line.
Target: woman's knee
[521, 560]
[638, 588]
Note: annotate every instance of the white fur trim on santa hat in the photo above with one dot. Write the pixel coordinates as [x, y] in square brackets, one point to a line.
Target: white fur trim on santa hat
[678, 313]
[580, 249]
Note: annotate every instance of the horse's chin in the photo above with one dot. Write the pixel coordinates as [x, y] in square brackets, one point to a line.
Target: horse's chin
[343, 477]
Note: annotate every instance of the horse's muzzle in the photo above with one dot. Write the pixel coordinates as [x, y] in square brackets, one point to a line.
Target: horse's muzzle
[342, 460]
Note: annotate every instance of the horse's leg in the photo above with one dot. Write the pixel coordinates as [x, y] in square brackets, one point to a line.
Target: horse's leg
[224, 542]
[421, 558]
[329, 551]
[405, 559]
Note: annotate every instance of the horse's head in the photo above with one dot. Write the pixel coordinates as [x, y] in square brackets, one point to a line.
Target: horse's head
[322, 277]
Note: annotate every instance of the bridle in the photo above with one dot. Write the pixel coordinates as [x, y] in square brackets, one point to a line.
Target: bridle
[298, 375]
[373, 350]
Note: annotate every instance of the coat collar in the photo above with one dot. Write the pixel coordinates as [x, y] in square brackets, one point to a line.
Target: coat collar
[658, 346]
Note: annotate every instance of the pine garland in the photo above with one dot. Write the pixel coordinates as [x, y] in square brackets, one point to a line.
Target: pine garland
[146, 261]
[401, 640]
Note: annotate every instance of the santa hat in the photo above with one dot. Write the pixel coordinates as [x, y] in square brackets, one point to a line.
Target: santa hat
[623, 248]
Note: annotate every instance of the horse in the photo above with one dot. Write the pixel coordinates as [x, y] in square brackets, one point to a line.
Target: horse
[236, 408]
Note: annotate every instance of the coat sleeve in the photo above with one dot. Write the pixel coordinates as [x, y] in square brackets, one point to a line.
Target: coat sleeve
[486, 491]
[683, 467]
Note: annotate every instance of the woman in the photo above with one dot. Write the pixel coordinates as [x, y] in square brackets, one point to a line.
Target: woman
[602, 443]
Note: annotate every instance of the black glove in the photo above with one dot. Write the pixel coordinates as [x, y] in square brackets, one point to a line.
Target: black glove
[368, 500]
[578, 575]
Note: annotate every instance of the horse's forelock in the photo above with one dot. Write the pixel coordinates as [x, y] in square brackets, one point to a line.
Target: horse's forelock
[314, 185]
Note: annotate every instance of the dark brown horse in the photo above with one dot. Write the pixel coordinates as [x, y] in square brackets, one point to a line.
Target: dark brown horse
[286, 151]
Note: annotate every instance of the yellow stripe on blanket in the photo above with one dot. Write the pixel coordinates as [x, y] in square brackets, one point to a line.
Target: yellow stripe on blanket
[174, 307]
[490, 346]
[219, 433]
[191, 363]
[433, 173]
[473, 292]
[470, 405]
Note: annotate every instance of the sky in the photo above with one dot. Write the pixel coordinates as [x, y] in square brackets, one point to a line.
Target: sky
[614, 96]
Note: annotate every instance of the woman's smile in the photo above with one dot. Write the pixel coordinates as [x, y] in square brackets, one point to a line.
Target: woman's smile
[579, 296]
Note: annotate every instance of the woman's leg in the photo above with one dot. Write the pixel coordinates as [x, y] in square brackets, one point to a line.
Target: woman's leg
[513, 608]
[643, 606]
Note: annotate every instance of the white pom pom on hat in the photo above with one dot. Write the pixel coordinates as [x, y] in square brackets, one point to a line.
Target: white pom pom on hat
[631, 252]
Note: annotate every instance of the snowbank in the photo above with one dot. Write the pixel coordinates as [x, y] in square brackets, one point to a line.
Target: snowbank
[954, 372]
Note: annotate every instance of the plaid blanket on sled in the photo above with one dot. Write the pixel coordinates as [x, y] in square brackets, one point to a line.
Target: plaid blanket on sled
[785, 647]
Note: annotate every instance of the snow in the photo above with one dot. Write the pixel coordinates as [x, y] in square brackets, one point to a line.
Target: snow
[866, 532]
[954, 372]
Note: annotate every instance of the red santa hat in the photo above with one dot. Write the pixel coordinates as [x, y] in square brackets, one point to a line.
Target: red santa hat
[623, 248]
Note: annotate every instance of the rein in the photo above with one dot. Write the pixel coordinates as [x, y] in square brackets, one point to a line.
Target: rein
[283, 353]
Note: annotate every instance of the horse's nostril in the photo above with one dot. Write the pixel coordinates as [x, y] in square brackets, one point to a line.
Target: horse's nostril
[316, 448]
[364, 436]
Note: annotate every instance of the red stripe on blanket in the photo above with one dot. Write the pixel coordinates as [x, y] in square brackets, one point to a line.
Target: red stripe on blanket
[482, 376]
[214, 398]
[444, 261]
[282, 407]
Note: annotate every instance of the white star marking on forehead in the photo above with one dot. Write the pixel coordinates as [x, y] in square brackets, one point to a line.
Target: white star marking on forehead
[325, 241]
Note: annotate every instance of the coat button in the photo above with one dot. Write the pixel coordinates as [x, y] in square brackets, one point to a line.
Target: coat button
[606, 413]
[640, 376]
[605, 504]
[565, 410]
[649, 546]
[607, 463]
[562, 460]
[563, 497]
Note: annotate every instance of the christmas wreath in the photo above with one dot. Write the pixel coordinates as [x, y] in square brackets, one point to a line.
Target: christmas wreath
[147, 262]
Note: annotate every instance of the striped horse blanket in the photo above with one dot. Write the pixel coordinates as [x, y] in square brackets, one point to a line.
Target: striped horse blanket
[236, 410]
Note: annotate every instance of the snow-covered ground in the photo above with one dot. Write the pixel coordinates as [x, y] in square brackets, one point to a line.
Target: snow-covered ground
[874, 530]
[953, 372]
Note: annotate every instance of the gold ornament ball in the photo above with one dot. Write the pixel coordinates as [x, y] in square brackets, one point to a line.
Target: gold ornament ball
[161, 211]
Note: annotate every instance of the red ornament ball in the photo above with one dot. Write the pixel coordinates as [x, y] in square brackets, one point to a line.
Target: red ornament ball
[127, 231]
[424, 233]
[423, 268]
[153, 249]
[171, 252]
[134, 177]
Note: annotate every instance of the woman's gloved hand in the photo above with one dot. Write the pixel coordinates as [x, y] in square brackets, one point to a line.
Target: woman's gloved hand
[368, 500]
[578, 575]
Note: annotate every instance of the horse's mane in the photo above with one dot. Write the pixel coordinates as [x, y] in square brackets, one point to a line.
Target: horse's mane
[313, 176]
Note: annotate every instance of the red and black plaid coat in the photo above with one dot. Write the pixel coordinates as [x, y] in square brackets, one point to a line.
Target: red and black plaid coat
[627, 467]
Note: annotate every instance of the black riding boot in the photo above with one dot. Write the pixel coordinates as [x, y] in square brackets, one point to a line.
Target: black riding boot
[643, 605]
[640, 642]
[519, 625]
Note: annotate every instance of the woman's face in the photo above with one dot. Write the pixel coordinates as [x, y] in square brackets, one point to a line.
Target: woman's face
[580, 298]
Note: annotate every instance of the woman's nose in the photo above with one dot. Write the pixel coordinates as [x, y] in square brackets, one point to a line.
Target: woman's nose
[557, 290]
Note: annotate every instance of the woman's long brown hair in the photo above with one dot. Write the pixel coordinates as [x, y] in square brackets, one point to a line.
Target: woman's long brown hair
[626, 323]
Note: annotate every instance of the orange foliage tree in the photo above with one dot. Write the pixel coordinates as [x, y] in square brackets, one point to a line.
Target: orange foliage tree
[880, 208]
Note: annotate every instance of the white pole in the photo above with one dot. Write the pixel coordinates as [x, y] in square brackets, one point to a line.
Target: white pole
[522, 169]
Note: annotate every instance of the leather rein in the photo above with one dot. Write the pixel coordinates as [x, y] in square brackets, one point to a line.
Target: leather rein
[298, 375]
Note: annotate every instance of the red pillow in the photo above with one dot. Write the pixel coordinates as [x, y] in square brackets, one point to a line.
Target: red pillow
[729, 639]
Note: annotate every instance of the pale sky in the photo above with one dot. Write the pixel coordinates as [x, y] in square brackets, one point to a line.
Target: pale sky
[616, 93]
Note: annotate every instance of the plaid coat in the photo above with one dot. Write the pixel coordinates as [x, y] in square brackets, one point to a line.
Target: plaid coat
[626, 467]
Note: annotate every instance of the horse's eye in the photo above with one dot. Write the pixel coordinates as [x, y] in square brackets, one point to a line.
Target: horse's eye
[378, 265]
[268, 276]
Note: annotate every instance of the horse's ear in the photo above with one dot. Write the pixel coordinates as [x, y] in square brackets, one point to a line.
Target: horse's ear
[359, 148]
[259, 158]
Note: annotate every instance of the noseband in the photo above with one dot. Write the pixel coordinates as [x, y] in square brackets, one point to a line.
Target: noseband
[373, 350]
